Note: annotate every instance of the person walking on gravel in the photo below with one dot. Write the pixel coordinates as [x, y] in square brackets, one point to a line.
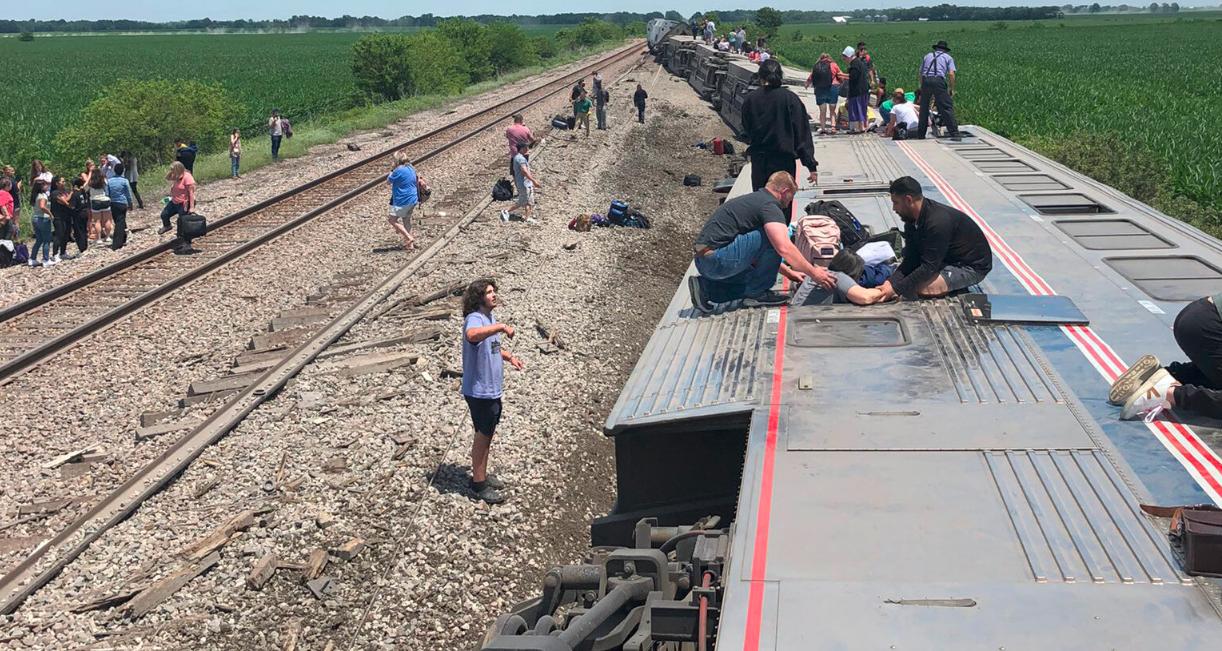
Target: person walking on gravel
[404, 196]
[525, 182]
[483, 380]
[182, 195]
[638, 99]
[235, 152]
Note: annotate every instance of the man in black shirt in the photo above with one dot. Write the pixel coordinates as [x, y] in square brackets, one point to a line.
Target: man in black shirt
[777, 128]
[740, 249]
[944, 250]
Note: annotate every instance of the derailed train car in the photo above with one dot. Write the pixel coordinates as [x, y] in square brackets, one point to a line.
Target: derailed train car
[940, 474]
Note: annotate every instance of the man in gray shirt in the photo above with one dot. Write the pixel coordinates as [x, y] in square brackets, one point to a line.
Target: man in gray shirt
[741, 248]
[600, 101]
[938, 84]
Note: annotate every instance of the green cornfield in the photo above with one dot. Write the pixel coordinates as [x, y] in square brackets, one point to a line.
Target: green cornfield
[1140, 92]
[51, 78]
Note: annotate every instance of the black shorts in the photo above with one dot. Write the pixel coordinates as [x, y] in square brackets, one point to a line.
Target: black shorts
[485, 414]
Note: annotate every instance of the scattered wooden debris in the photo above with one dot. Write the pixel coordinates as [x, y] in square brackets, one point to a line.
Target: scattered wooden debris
[279, 324]
[452, 289]
[280, 339]
[292, 636]
[146, 433]
[349, 550]
[16, 544]
[106, 600]
[335, 464]
[316, 563]
[153, 595]
[321, 587]
[191, 401]
[150, 418]
[73, 470]
[43, 507]
[262, 571]
[68, 457]
[227, 383]
[549, 334]
[218, 538]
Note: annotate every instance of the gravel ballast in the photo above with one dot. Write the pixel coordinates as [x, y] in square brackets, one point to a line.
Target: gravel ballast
[382, 457]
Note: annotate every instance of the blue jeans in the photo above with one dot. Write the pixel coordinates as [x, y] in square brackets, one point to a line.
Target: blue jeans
[276, 147]
[42, 237]
[745, 267]
[233, 164]
[171, 209]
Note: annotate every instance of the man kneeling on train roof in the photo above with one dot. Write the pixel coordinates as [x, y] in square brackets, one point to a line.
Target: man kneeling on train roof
[776, 127]
[944, 250]
[741, 248]
[1147, 388]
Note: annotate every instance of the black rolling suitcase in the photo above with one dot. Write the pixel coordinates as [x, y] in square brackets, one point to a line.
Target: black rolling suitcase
[190, 226]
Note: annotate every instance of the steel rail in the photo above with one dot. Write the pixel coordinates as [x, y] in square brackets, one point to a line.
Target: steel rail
[25, 579]
[67, 338]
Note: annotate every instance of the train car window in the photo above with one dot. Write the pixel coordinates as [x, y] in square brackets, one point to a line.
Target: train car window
[1002, 166]
[1029, 182]
[1068, 203]
[1170, 278]
[1111, 234]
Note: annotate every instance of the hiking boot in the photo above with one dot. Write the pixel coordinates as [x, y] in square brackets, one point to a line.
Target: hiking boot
[699, 302]
[767, 299]
[162, 231]
[1126, 385]
[489, 495]
[492, 481]
[1150, 399]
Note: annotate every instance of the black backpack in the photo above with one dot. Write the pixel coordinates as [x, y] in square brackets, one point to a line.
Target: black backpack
[821, 76]
[852, 233]
[503, 190]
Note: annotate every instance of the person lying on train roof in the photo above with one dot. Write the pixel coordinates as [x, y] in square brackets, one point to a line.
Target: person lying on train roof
[846, 290]
[944, 250]
[1147, 388]
[741, 247]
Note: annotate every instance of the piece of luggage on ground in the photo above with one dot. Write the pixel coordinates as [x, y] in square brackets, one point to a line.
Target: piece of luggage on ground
[617, 211]
[1198, 531]
[192, 225]
[599, 220]
[571, 121]
[636, 219]
[502, 190]
[6, 255]
[560, 122]
[21, 253]
[852, 233]
[727, 147]
[817, 238]
[719, 146]
[892, 236]
[691, 180]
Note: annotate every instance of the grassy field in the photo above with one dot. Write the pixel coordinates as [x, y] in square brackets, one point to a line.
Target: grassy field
[305, 75]
[1099, 93]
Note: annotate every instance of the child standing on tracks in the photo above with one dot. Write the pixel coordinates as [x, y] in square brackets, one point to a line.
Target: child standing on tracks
[483, 379]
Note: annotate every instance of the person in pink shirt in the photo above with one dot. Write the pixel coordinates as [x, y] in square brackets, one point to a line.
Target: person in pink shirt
[182, 195]
[518, 134]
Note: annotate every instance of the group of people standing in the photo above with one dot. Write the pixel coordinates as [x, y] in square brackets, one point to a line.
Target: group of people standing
[858, 81]
[88, 208]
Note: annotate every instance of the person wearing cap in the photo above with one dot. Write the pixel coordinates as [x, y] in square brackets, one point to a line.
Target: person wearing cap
[938, 84]
[776, 127]
[859, 89]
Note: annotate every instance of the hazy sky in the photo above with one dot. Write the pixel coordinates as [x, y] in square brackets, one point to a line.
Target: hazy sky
[162, 10]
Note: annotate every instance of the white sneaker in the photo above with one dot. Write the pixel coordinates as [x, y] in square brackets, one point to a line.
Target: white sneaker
[55, 259]
[505, 215]
[48, 263]
[1150, 399]
[33, 262]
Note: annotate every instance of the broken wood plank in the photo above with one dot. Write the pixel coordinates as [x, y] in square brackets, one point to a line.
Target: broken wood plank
[365, 345]
[255, 367]
[316, 563]
[286, 323]
[68, 457]
[335, 464]
[109, 599]
[277, 353]
[378, 368]
[391, 306]
[19, 543]
[46, 506]
[152, 596]
[435, 314]
[219, 396]
[261, 343]
[549, 334]
[262, 571]
[217, 539]
[146, 433]
[349, 550]
[150, 418]
[227, 383]
[303, 312]
[452, 289]
[74, 470]
[292, 636]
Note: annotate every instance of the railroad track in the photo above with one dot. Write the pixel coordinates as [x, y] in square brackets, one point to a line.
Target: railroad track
[41, 326]
[49, 558]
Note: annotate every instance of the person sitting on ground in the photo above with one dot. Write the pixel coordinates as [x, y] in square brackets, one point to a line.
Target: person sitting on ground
[1147, 388]
[884, 109]
[581, 111]
[525, 181]
[903, 115]
[516, 134]
[944, 250]
[403, 198]
[741, 248]
[483, 380]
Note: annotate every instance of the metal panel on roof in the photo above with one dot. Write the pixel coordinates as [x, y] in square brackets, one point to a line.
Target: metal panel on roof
[696, 368]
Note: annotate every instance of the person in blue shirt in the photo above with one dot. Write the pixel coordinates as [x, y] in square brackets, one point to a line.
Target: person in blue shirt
[403, 198]
[119, 189]
[483, 379]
